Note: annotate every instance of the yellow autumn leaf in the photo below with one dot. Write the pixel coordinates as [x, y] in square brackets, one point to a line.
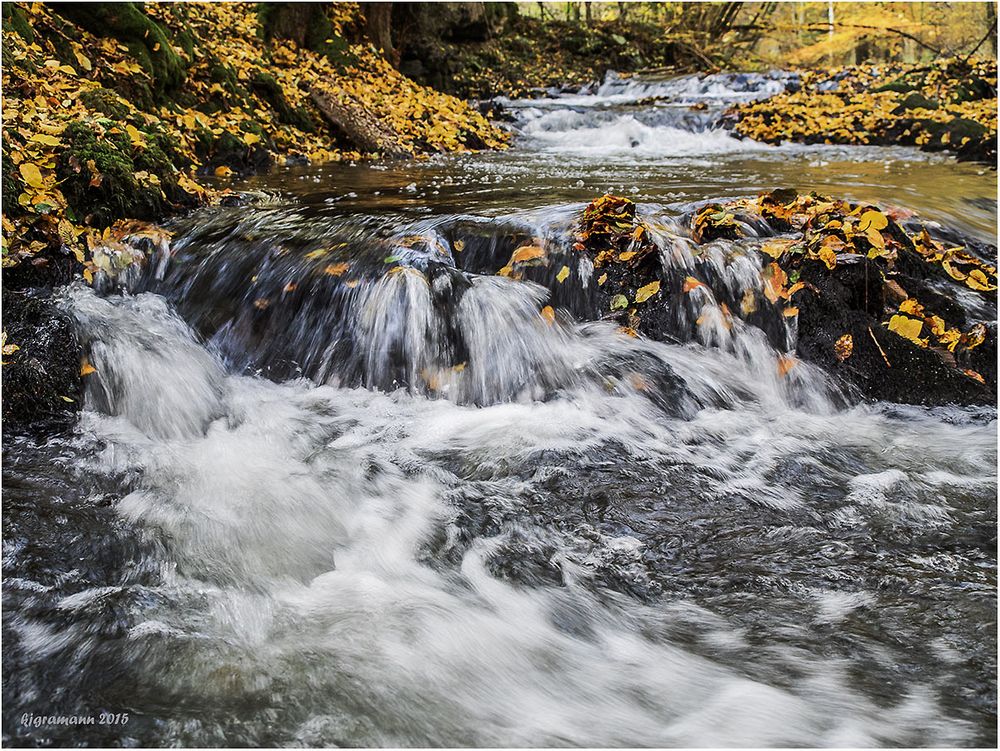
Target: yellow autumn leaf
[602, 279]
[872, 220]
[250, 139]
[786, 363]
[549, 314]
[827, 256]
[32, 175]
[908, 328]
[691, 283]
[977, 280]
[563, 274]
[974, 376]
[135, 136]
[644, 293]
[222, 171]
[45, 139]
[84, 61]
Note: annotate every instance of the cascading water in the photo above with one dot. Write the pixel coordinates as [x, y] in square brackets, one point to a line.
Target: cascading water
[312, 501]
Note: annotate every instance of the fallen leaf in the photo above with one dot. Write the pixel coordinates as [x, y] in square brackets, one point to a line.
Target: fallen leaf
[526, 253]
[336, 269]
[691, 283]
[644, 293]
[31, 174]
[786, 363]
[977, 280]
[619, 302]
[563, 273]
[844, 347]
[908, 328]
[549, 314]
[975, 376]
[872, 220]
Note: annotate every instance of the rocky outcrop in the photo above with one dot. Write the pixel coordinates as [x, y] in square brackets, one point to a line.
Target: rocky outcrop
[42, 382]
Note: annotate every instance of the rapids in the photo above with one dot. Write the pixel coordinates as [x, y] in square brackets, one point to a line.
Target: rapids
[307, 506]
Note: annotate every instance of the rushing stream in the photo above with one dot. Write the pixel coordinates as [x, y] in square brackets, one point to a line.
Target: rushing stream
[312, 503]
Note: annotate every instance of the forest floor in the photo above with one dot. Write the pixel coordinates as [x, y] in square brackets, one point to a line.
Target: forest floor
[98, 129]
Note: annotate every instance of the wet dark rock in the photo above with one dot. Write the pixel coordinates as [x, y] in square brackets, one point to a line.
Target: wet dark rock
[883, 366]
[51, 267]
[42, 386]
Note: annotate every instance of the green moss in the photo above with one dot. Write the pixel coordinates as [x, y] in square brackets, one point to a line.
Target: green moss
[116, 192]
[15, 20]
[12, 185]
[916, 100]
[146, 40]
[106, 102]
[268, 89]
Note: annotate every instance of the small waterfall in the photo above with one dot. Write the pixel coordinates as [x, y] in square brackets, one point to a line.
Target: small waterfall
[341, 482]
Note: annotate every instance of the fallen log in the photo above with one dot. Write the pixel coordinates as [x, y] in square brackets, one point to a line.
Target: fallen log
[358, 125]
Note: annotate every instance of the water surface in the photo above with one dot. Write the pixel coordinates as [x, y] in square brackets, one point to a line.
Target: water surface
[306, 508]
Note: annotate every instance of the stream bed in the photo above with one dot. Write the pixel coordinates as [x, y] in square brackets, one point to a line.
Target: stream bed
[312, 503]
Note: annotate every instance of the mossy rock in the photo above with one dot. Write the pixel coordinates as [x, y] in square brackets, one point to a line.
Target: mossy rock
[12, 185]
[268, 89]
[915, 100]
[903, 85]
[106, 102]
[14, 20]
[115, 191]
[308, 25]
[229, 150]
[147, 41]
[972, 89]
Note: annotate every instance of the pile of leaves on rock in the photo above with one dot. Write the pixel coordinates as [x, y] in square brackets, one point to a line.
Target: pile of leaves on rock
[946, 105]
[876, 296]
[115, 110]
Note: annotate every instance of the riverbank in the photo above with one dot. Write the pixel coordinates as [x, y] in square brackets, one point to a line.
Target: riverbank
[120, 114]
[949, 105]
[114, 114]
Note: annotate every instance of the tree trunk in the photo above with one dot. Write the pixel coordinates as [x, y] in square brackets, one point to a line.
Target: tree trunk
[378, 21]
[363, 129]
[589, 13]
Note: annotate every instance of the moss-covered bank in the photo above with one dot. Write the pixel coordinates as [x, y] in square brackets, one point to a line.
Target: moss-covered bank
[950, 105]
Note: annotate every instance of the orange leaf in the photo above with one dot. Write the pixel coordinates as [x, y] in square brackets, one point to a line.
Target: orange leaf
[336, 269]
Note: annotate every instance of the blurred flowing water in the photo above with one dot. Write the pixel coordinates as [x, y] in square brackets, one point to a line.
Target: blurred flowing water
[310, 502]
